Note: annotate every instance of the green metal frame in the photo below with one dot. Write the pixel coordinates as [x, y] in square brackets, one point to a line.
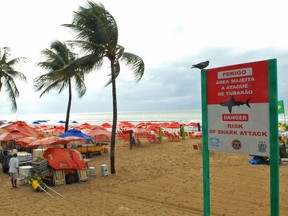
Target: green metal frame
[274, 146]
[205, 151]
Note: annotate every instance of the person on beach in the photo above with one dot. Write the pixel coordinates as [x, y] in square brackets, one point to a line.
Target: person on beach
[14, 170]
[198, 126]
[131, 139]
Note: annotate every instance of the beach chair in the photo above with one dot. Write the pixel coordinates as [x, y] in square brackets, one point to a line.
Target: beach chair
[197, 146]
[151, 138]
[82, 175]
[176, 137]
[59, 177]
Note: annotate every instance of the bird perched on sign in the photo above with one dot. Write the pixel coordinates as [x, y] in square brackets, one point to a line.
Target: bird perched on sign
[201, 65]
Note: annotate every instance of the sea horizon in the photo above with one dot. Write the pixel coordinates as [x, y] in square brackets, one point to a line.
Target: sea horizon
[97, 118]
[183, 116]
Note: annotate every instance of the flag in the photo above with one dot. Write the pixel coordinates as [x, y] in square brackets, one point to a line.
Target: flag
[280, 107]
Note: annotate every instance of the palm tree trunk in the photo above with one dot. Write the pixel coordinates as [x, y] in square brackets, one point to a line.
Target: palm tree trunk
[113, 134]
[68, 107]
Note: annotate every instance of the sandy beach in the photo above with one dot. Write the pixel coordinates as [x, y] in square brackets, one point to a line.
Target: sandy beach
[155, 179]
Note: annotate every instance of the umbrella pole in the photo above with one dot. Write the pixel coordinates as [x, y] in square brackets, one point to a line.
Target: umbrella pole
[54, 191]
[45, 191]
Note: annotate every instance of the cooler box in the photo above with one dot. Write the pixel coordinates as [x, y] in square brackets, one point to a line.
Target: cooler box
[25, 171]
[24, 158]
[284, 160]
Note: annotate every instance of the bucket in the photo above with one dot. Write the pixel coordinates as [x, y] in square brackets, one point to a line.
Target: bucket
[104, 170]
[91, 171]
[25, 171]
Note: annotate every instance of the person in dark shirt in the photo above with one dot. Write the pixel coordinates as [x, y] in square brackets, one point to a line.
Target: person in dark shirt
[132, 139]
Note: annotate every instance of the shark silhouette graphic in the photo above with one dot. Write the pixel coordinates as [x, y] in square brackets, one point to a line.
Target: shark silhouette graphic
[232, 102]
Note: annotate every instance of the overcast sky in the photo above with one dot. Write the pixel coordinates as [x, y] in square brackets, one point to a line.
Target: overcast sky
[169, 35]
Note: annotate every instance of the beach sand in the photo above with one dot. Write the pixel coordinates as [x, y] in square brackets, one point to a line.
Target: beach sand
[155, 179]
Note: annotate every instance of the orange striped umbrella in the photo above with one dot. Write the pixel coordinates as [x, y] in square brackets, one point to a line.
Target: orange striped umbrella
[12, 135]
[24, 141]
[48, 141]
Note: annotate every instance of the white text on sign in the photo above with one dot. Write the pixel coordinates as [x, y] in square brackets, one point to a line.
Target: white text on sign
[235, 73]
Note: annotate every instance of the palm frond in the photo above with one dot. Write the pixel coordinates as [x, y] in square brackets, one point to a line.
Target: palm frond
[8, 73]
[12, 91]
[136, 63]
[16, 74]
[18, 60]
[86, 63]
[80, 85]
[96, 24]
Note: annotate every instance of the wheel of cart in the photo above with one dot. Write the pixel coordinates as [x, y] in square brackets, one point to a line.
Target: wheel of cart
[90, 154]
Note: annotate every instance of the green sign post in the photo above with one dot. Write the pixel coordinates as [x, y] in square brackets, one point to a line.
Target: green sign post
[239, 102]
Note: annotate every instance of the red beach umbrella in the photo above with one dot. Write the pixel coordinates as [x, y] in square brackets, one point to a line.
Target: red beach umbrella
[64, 159]
[48, 141]
[95, 132]
[99, 134]
[21, 126]
[12, 135]
[24, 141]
[73, 138]
[173, 125]
[106, 125]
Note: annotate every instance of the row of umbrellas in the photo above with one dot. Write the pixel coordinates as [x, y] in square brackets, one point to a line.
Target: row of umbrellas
[28, 136]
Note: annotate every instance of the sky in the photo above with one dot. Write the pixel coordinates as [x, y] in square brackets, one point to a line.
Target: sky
[168, 35]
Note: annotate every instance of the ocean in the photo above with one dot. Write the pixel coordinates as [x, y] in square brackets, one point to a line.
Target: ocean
[182, 116]
[97, 118]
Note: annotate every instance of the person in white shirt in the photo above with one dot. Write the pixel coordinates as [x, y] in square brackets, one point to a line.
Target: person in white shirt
[14, 169]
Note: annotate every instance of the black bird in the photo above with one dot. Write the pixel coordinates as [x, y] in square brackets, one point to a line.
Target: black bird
[201, 65]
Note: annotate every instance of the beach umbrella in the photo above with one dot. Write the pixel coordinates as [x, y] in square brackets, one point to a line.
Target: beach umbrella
[36, 122]
[96, 132]
[154, 127]
[125, 125]
[21, 126]
[100, 134]
[73, 138]
[173, 125]
[83, 126]
[64, 159]
[51, 140]
[24, 141]
[12, 135]
[74, 132]
[94, 127]
[106, 125]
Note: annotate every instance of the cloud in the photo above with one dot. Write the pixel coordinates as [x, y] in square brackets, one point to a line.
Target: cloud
[169, 37]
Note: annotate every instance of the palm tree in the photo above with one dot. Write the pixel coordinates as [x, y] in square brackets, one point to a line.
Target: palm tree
[97, 35]
[58, 56]
[7, 75]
